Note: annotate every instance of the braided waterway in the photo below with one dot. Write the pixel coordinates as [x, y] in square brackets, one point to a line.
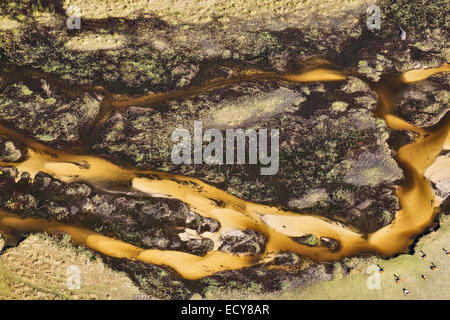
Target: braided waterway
[416, 196]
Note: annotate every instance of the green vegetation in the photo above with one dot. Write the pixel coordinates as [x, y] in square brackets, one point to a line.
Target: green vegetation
[419, 14]
[309, 240]
[334, 157]
[409, 267]
[64, 119]
[37, 269]
[22, 9]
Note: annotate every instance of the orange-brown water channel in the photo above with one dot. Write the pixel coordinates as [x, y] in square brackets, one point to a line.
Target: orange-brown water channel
[417, 199]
